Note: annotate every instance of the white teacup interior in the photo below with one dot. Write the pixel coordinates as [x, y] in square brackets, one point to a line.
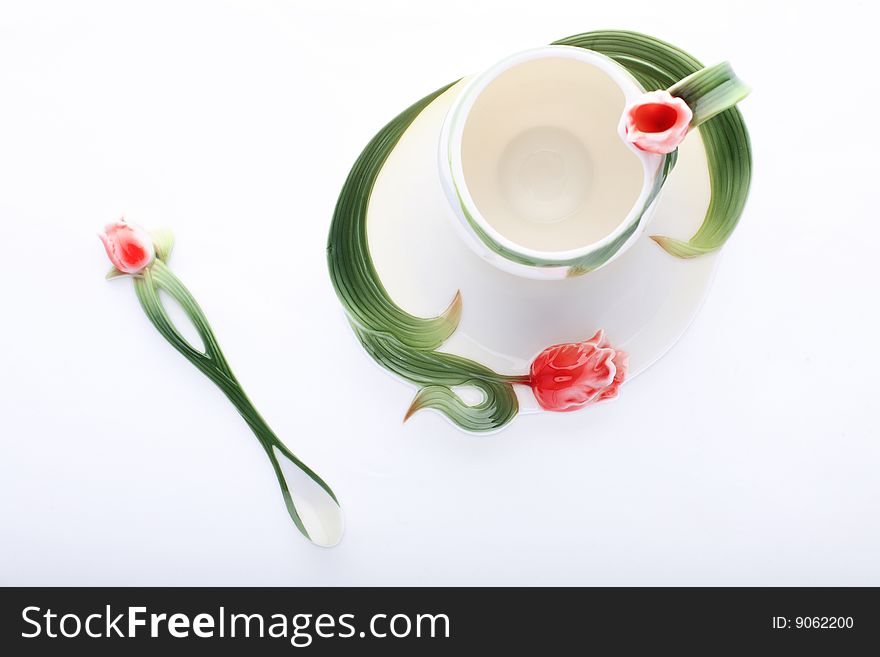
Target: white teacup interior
[542, 158]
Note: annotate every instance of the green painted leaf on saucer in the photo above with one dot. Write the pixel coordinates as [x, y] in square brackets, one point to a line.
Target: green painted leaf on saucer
[400, 342]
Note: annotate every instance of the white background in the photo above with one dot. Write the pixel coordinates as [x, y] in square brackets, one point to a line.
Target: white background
[749, 455]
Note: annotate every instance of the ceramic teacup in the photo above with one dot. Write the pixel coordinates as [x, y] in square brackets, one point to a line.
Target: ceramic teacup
[533, 160]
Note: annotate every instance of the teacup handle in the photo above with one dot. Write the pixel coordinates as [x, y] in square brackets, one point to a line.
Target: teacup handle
[710, 91]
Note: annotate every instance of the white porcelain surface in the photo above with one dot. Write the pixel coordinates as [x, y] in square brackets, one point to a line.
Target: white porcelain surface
[644, 300]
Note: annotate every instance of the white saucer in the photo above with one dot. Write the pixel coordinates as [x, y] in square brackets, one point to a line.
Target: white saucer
[644, 300]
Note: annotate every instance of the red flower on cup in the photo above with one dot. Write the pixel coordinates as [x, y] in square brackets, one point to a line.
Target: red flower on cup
[129, 247]
[656, 122]
[566, 377]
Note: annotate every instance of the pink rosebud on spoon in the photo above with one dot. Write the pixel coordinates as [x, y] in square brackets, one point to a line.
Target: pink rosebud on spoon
[129, 247]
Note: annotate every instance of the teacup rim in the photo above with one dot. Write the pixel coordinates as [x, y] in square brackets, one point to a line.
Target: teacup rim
[453, 172]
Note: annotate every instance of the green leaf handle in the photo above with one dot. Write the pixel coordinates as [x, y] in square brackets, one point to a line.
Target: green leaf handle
[710, 91]
[325, 526]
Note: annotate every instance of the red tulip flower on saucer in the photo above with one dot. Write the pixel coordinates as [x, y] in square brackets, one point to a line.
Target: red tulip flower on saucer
[567, 377]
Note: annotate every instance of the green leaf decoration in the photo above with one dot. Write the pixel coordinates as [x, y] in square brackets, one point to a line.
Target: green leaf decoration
[163, 242]
[710, 91]
[398, 341]
[660, 65]
[211, 362]
[479, 417]
[351, 266]
[407, 345]
[438, 373]
[114, 273]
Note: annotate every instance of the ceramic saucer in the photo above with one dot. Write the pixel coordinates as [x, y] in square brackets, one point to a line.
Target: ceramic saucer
[644, 300]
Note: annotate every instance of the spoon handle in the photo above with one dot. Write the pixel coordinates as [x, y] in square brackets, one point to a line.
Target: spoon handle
[311, 503]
